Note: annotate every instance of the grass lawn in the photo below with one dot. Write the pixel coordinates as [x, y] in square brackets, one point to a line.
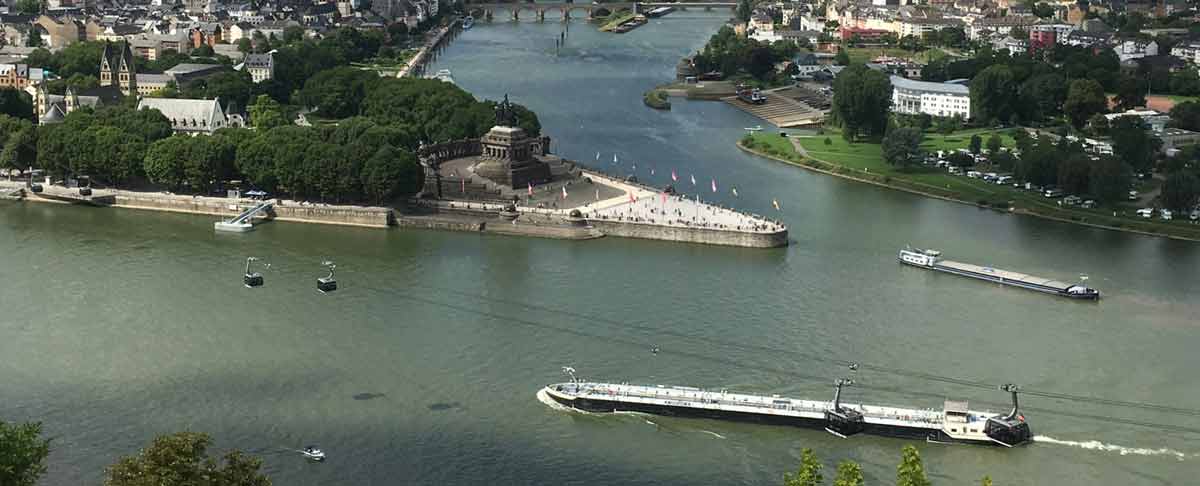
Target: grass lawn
[864, 160]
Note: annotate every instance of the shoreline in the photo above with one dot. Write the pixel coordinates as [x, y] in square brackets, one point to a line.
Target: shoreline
[443, 216]
[950, 199]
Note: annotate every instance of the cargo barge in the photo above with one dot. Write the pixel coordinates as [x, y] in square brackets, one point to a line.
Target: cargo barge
[955, 423]
[932, 260]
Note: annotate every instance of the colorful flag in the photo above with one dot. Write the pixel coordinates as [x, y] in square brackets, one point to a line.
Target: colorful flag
[775, 202]
[530, 188]
[714, 185]
[674, 178]
[664, 198]
[564, 192]
[632, 198]
[464, 185]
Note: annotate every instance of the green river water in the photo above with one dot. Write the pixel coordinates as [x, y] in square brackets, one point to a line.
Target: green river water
[116, 325]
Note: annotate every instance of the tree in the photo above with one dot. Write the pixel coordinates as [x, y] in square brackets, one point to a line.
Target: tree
[23, 453]
[1180, 190]
[34, 39]
[1042, 96]
[986, 481]
[1133, 142]
[1098, 124]
[1186, 116]
[181, 459]
[1185, 82]
[1109, 179]
[165, 161]
[1085, 98]
[849, 473]
[29, 7]
[117, 156]
[809, 473]
[1131, 93]
[902, 147]
[911, 471]
[293, 33]
[976, 144]
[993, 94]
[1004, 161]
[994, 144]
[1073, 173]
[861, 101]
[338, 92]
[18, 142]
[744, 10]
[204, 50]
[244, 45]
[841, 58]
[16, 104]
[266, 113]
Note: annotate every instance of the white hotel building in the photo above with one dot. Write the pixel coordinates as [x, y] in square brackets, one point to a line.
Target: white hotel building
[935, 99]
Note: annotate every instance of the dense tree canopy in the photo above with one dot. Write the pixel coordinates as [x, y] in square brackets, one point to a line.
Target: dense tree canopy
[1186, 116]
[338, 92]
[1133, 142]
[23, 453]
[182, 459]
[1085, 98]
[993, 94]
[902, 147]
[861, 101]
[16, 103]
[732, 54]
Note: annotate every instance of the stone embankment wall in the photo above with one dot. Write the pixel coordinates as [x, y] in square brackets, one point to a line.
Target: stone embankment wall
[691, 235]
[341, 215]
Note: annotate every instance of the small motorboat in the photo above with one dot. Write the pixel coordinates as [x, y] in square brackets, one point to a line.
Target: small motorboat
[314, 454]
[756, 128]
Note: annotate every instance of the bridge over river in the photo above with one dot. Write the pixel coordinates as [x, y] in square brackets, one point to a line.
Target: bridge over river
[514, 10]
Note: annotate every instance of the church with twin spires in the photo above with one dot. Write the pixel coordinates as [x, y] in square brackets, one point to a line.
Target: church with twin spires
[118, 79]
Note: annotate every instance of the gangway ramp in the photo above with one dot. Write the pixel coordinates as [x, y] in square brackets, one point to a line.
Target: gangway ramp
[242, 223]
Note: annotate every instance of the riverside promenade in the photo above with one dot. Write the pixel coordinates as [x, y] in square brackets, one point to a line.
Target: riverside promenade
[416, 65]
[622, 209]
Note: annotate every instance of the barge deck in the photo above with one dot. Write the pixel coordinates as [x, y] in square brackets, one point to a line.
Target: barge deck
[932, 260]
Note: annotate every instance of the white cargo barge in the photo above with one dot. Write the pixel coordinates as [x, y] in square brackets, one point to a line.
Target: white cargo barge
[932, 259]
[955, 423]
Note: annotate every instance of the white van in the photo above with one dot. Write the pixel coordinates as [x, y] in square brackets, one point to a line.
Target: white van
[1165, 214]
[1145, 212]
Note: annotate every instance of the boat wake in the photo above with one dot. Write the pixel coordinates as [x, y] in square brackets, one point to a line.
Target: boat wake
[714, 434]
[1096, 445]
[545, 398]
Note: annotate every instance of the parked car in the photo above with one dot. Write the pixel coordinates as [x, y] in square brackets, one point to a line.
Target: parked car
[1165, 214]
[973, 174]
[1133, 195]
[1053, 193]
[1088, 204]
[1003, 180]
[1072, 200]
[1146, 212]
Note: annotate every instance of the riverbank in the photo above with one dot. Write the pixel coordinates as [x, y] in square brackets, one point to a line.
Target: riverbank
[416, 64]
[657, 99]
[951, 188]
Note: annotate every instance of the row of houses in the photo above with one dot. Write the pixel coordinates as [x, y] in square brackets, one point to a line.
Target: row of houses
[183, 25]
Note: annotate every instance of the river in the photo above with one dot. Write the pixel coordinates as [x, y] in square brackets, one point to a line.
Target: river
[118, 325]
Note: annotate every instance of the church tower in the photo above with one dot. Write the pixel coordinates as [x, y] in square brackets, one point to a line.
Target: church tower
[127, 71]
[106, 69]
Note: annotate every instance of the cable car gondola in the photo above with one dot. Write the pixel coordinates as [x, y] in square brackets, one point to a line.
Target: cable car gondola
[252, 279]
[327, 283]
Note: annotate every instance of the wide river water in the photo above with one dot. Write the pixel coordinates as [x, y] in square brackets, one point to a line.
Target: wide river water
[119, 325]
